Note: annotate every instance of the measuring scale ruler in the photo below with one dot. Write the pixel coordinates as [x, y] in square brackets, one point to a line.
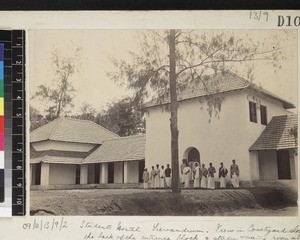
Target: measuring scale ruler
[12, 140]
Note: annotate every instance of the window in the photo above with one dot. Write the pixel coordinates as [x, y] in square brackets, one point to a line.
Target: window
[263, 115]
[252, 111]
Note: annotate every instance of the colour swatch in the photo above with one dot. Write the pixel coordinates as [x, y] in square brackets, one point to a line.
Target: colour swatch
[2, 122]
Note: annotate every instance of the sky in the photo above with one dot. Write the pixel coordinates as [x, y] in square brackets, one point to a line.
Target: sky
[97, 47]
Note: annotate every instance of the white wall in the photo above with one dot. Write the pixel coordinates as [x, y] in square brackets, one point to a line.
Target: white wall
[62, 174]
[118, 172]
[132, 172]
[62, 146]
[223, 139]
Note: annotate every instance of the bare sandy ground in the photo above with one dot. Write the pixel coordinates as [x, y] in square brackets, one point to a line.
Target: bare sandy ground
[228, 202]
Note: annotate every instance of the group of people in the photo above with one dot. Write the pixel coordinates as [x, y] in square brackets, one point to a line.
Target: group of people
[203, 177]
[158, 177]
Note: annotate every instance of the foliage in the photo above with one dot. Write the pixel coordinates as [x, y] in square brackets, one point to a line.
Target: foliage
[87, 112]
[36, 119]
[294, 133]
[59, 96]
[122, 117]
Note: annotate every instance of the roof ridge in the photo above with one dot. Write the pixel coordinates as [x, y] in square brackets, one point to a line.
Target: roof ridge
[125, 137]
[55, 128]
[89, 121]
[44, 125]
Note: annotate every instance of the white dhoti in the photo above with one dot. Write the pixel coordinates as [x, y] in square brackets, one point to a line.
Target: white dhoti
[204, 182]
[162, 182]
[157, 182]
[222, 182]
[146, 185]
[168, 182]
[211, 183]
[235, 181]
[153, 182]
[196, 182]
[186, 180]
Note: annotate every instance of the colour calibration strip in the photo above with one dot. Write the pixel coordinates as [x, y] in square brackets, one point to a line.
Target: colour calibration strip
[14, 122]
[2, 123]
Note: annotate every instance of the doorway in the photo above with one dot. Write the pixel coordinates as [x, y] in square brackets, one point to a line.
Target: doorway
[111, 172]
[192, 155]
[37, 178]
[283, 164]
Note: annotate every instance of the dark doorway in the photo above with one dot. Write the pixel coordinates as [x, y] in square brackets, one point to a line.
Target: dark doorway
[194, 155]
[97, 173]
[141, 170]
[111, 173]
[77, 179]
[37, 179]
[283, 164]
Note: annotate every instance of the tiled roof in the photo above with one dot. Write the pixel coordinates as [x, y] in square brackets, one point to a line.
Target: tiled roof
[54, 159]
[54, 156]
[72, 130]
[277, 134]
[122, 149]
[217, 83]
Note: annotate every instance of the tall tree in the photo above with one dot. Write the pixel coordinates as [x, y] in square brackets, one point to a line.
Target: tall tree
[171, 60]
[59, 95]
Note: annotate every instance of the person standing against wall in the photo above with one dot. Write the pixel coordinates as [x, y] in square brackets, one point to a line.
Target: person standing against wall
[222, 174]
[168, 172]
[157, 177]
[204, 176]
[145, 178]
[197, 175]
[152, 177]
[234, 174]
[211, 176]
[186, 173]
[162, 177]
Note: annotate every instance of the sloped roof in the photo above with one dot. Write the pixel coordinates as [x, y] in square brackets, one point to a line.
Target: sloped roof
[122, 149]
[55, 156]
[277, 134]
[217, 83]
[72, 130]
[54, 159]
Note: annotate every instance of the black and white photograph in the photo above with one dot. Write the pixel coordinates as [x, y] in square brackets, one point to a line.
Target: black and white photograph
[163, 122]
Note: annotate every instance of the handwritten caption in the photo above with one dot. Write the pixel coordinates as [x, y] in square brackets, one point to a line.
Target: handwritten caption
[149, 230]
[41, 224]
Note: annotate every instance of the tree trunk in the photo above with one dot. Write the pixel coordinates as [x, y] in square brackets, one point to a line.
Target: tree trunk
[173, 120]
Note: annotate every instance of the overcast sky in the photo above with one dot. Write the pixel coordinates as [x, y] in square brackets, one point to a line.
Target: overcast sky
[93, 85]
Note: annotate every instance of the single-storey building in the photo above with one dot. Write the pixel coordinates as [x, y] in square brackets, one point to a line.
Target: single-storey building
[73, 151]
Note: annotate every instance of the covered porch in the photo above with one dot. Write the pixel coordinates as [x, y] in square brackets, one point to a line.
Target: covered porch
[274, 153]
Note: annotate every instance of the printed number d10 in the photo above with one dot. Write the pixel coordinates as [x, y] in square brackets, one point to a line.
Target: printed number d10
[288, 21]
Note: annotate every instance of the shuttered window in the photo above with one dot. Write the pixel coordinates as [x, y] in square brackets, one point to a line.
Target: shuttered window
[252, 111]
[263, 115]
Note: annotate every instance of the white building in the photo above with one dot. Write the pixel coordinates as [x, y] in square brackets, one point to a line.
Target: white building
[72, 151]
[252, 126]
[245, 111]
